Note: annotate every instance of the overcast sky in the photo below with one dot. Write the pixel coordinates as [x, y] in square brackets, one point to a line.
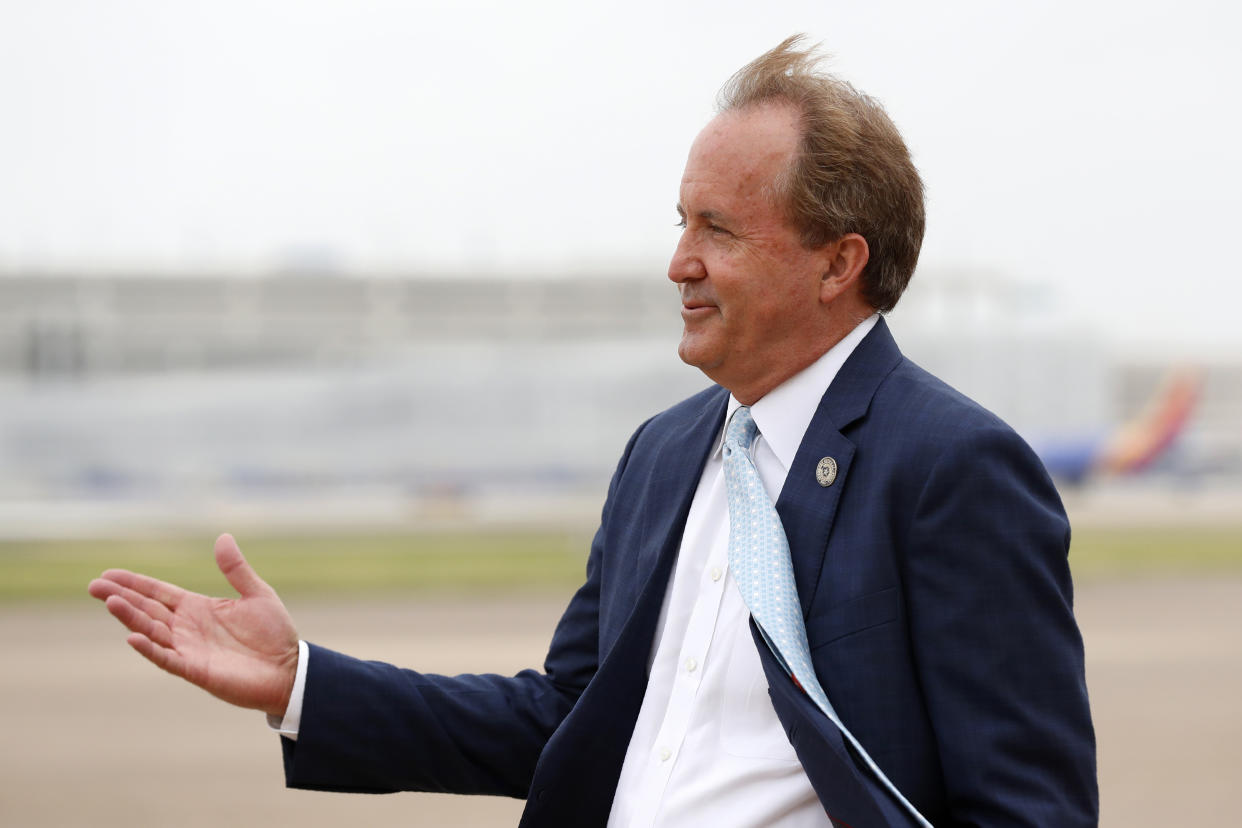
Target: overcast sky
[1089, 146]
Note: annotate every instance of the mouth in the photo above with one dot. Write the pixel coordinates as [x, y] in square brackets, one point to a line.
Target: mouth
[692, 313]
[689, 305]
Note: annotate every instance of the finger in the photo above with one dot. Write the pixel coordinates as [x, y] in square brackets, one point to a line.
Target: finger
[238, 572]
[167, 594]
[101, 588]
[153, 608]
[138, 621]
[162, 657]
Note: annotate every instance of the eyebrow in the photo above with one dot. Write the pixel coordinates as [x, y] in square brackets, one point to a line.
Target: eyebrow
[706, 215]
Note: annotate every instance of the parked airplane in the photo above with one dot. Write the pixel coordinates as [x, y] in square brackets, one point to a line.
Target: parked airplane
[1134, 446]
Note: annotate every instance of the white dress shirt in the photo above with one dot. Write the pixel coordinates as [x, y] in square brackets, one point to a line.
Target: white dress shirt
[707, 748]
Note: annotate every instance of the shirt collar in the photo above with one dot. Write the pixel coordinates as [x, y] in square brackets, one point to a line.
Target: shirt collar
[785, 412]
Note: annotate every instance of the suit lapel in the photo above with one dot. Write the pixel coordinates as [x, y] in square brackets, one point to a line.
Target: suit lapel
[681, 457]
[806, 508]
[577, 774]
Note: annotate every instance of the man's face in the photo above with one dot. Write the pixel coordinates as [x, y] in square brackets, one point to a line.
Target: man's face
[749, 289]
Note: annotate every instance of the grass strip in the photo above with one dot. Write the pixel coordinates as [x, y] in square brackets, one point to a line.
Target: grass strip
[338, 565]
[350, 565]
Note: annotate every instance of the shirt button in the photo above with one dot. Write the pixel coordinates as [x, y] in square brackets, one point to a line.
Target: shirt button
[665, 754]
[716, 573]
[691, 665]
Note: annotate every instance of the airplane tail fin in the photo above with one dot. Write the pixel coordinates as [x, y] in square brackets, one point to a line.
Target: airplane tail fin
[1141, 441]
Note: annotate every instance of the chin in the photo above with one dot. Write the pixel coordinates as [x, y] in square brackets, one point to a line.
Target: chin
[688, 353]
[697, 353]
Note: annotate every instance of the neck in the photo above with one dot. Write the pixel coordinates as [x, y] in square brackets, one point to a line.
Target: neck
[749, 391]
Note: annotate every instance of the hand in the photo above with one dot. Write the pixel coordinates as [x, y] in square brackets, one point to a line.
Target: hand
[243, 650]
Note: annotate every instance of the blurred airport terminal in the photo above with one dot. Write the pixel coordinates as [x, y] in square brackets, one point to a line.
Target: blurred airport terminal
[151, 401]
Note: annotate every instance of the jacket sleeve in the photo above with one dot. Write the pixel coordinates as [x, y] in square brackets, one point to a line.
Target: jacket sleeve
[998, 652]
[370, 727]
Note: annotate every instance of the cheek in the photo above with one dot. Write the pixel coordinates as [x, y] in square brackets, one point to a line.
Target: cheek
[759, 293]
[793, 292]
[772, 305]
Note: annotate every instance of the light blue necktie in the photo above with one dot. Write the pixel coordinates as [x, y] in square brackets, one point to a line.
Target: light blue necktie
[760, 562]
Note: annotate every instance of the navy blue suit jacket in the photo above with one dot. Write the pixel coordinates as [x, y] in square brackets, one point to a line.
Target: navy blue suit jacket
[937, 596]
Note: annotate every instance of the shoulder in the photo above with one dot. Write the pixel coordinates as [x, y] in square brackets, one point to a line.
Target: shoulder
[692, 408]
[678, 433]
[880, 390]
[920, 421]
[913, 395]
[687, 414]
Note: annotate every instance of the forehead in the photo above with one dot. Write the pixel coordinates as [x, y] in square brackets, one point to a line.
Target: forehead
[740, 153]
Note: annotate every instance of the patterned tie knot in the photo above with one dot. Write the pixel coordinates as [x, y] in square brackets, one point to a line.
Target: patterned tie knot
[741, 431]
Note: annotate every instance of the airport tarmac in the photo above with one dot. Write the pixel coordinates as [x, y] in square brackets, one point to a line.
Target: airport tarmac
[94, 736]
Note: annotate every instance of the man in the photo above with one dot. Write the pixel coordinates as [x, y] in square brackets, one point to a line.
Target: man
[927, 544]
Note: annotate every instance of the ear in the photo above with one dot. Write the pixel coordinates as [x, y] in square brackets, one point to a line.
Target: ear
[844, 260]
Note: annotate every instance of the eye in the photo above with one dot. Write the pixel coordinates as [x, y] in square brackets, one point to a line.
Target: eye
[681, 223]
[718, 230]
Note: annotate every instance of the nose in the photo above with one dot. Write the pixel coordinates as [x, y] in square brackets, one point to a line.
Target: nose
[686, 266]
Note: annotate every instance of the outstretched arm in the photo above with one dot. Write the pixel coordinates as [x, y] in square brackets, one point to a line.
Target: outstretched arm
[243, 650]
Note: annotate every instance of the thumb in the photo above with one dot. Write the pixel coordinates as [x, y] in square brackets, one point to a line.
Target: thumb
[239, 573]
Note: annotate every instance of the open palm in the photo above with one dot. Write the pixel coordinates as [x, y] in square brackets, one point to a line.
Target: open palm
[243, 650]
